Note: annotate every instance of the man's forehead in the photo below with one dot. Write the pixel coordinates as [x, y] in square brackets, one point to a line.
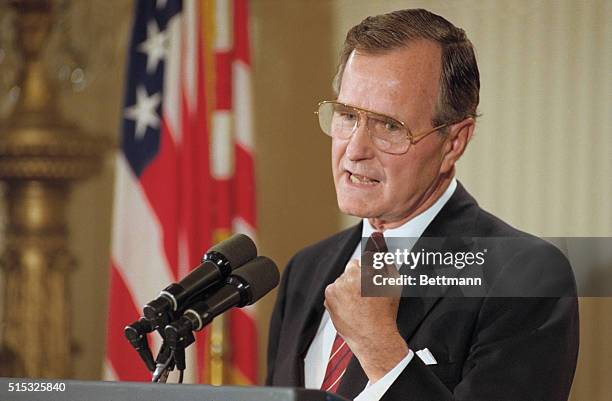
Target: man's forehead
[357, 58]
[412, 71]
[421, 57]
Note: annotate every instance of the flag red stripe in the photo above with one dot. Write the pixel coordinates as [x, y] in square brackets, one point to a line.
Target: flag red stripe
[241, 31]
[243, 330]
[195, 191]
[223, 78]
[163, 169]
[245, 186]
[195, 182]
[122, 311]
[243, 337]
[223, 205]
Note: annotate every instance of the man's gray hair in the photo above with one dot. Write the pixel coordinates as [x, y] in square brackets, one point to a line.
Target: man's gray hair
[459, 80]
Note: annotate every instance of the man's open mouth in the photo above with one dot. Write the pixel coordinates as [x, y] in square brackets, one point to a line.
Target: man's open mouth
[361, 179]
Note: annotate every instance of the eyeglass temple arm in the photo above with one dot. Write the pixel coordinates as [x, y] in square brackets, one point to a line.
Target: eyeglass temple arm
[416, 138]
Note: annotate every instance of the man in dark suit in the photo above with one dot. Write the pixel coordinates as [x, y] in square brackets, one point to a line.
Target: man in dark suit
[408, 88]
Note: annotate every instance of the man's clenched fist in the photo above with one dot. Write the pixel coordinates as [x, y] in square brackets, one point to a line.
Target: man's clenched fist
[367, 324]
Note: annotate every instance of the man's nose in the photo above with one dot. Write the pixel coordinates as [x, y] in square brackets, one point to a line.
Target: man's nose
[360, 144]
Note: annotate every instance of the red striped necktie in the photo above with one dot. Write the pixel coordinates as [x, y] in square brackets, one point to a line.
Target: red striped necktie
[338, 362]
[341, 354]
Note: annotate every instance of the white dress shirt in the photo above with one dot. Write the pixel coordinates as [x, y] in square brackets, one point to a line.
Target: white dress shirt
[315, 362]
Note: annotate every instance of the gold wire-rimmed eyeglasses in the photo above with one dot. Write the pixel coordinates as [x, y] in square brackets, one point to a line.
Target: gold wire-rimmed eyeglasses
[389, 135]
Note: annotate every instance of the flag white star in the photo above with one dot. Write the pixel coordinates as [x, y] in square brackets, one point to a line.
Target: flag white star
[144, 111]
[155, 46]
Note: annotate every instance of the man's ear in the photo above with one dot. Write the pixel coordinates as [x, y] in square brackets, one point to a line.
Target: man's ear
[458, 136]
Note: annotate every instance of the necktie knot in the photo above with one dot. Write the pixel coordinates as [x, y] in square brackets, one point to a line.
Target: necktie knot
[376, 243]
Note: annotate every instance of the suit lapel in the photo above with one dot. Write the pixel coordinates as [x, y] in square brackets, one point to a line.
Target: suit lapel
[454, 222]
[334, 263]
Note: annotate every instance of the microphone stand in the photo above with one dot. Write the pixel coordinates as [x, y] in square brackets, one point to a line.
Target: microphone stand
[177, 341]
[167, 357]
[164, 364]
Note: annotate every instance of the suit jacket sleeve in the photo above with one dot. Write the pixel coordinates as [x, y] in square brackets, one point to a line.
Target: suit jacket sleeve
[276, 323]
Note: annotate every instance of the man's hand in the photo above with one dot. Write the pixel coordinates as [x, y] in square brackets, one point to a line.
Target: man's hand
[367, 324]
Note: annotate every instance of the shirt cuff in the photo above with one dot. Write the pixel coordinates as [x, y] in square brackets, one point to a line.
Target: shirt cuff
[374, 392]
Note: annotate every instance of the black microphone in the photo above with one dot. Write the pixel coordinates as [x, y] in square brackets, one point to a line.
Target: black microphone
[245, 286]
[217, 264]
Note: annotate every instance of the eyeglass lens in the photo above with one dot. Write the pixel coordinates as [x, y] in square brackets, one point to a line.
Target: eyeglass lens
[340, 121]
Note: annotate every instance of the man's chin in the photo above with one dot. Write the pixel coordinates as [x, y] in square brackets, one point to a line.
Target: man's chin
[351, 209]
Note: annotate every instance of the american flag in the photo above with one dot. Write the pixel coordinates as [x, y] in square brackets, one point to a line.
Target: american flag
[185, 173]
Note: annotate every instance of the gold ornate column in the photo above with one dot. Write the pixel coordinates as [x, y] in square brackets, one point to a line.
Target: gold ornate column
[41, 155]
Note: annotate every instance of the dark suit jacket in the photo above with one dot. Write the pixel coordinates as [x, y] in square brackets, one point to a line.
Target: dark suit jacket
[487, 348]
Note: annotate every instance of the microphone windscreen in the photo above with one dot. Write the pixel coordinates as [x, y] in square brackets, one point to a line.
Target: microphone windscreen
[261, 274]
[237, 249]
